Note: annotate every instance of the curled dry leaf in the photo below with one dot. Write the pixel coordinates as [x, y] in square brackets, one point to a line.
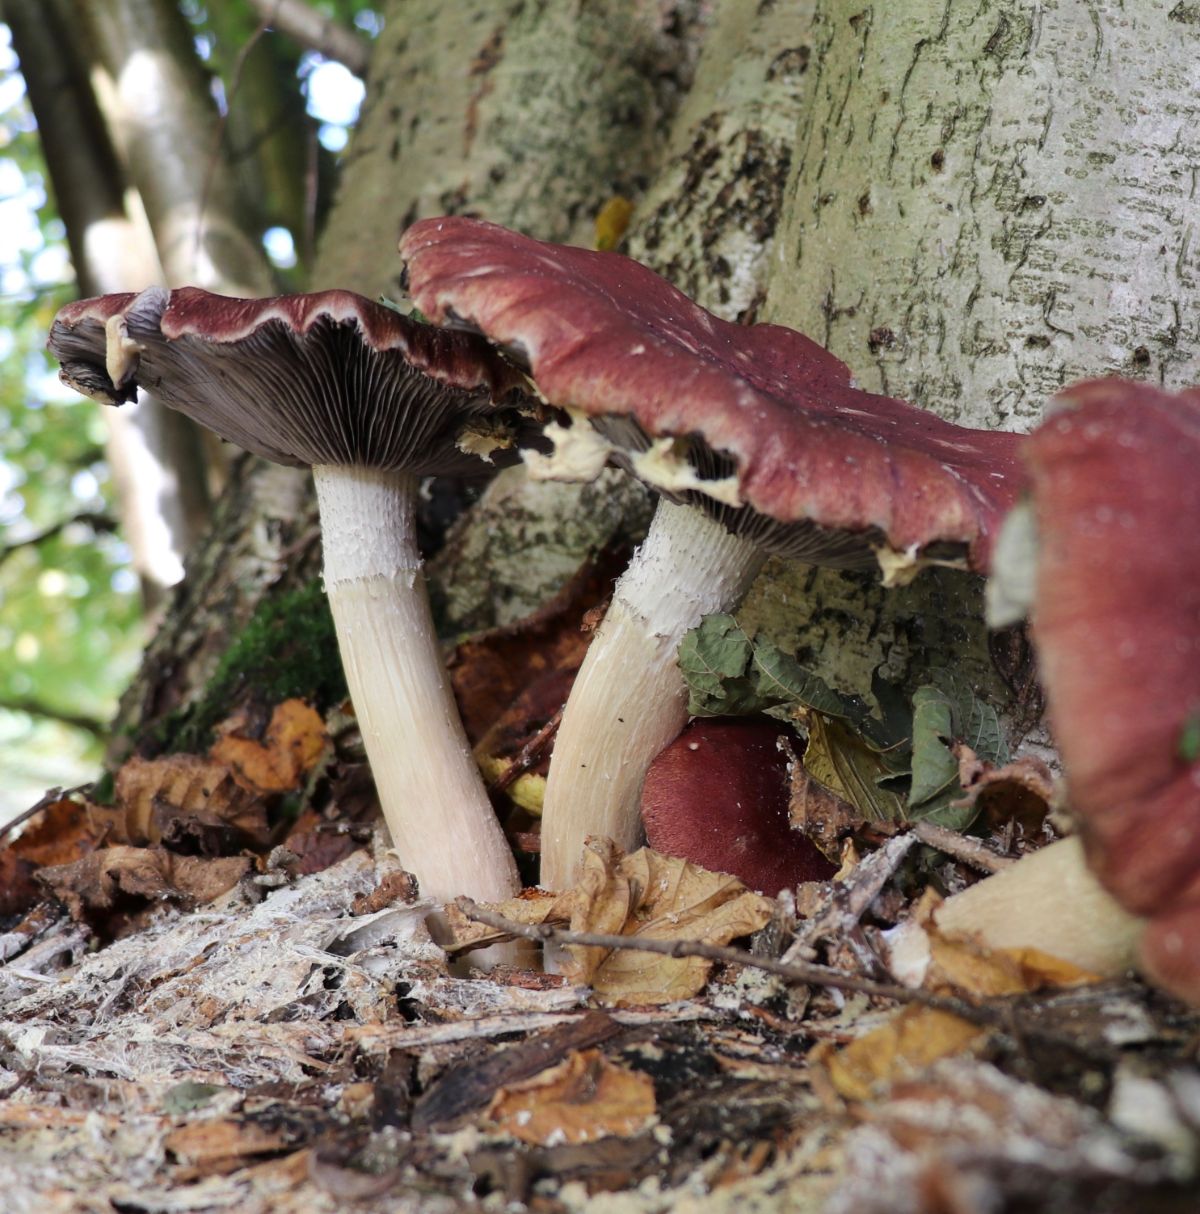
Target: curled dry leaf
[60, 833]
[288, 749]
[530, 907]
[661, 898]
[1021, 791]
[102, 880]
[583, 1098]
[153, 792]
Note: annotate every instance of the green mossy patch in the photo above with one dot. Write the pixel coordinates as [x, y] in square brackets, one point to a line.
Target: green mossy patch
[288, 649]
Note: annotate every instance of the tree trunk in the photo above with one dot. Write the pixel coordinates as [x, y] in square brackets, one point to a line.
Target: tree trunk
[990, 200]
[993, 198]
[154, 454]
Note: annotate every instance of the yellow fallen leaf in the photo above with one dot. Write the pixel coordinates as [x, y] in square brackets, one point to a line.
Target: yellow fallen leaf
[289, 748]
[917, 1037]
[909, 1042]
[583, 1098]
[970, 968]
[658, 897]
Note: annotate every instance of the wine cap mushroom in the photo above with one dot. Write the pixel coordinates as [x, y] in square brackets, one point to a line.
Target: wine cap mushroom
[1115, 494]
[1105, 557]
[370, 399]
[758, 426]
[757, 419]
[719, 796]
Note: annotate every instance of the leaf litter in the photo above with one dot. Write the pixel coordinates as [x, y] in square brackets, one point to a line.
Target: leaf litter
[288, 1036]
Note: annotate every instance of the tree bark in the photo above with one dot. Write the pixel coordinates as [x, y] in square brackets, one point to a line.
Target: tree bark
[990, 199]
[156, 99]
[708, 219]
[993, 198]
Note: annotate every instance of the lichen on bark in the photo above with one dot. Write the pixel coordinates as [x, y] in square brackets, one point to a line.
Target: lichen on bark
[992, 199]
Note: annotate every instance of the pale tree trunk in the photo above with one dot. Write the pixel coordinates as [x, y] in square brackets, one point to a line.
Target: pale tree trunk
[990, 199]
[708, 220]
[155, 96]
[993, 199]
[153, 454]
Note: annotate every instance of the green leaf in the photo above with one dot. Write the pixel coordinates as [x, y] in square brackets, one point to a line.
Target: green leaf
[714, 659]
[934, 767]
[1188, 746]
[730, 674]
[946, 711]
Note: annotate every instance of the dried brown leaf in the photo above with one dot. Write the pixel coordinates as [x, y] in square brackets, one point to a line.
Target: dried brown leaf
[152, 793]
[530, 907]
[583, 1098]
[289, 748]
[658, 897]
[103, 879]
[1021, 791]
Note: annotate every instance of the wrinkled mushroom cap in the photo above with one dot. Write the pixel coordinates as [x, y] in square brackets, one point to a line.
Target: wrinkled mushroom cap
[1115, 483]
[328, 378]
[765, 415]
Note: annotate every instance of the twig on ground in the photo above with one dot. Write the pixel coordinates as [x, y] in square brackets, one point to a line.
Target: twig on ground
[529, 754]
[813, 975]
[1002, 1014]
[970, 851]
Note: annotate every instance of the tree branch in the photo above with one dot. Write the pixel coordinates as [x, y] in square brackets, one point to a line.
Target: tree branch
[35, 708]
[1002, 1014]
[318, 33]
[812, 975]
[97, 522]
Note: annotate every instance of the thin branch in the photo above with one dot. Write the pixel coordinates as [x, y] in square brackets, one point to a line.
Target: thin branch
[97, 522]
[1002, 1014]
[35, 708]
[319, 33]
[970, 851]
[812, 975]
[52, 797]
[530, 753]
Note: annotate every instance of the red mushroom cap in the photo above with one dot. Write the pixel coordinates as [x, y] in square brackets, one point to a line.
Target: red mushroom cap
[718, 796]
[607, 336]
[1115, 481]
[327, 378]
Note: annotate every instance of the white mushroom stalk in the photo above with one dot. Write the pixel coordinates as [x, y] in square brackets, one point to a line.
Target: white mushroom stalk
[1048, 900]
[629, 699]
[438, 814]
[370, 400]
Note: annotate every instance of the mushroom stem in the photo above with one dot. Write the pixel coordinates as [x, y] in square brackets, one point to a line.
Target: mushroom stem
[1048, 900]
[434, 802]
[629, 699]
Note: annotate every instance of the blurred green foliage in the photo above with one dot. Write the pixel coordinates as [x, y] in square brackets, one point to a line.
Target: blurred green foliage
[70, 613]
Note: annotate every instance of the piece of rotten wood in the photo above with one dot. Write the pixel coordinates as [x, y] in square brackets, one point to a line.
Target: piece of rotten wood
[471, 1084]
